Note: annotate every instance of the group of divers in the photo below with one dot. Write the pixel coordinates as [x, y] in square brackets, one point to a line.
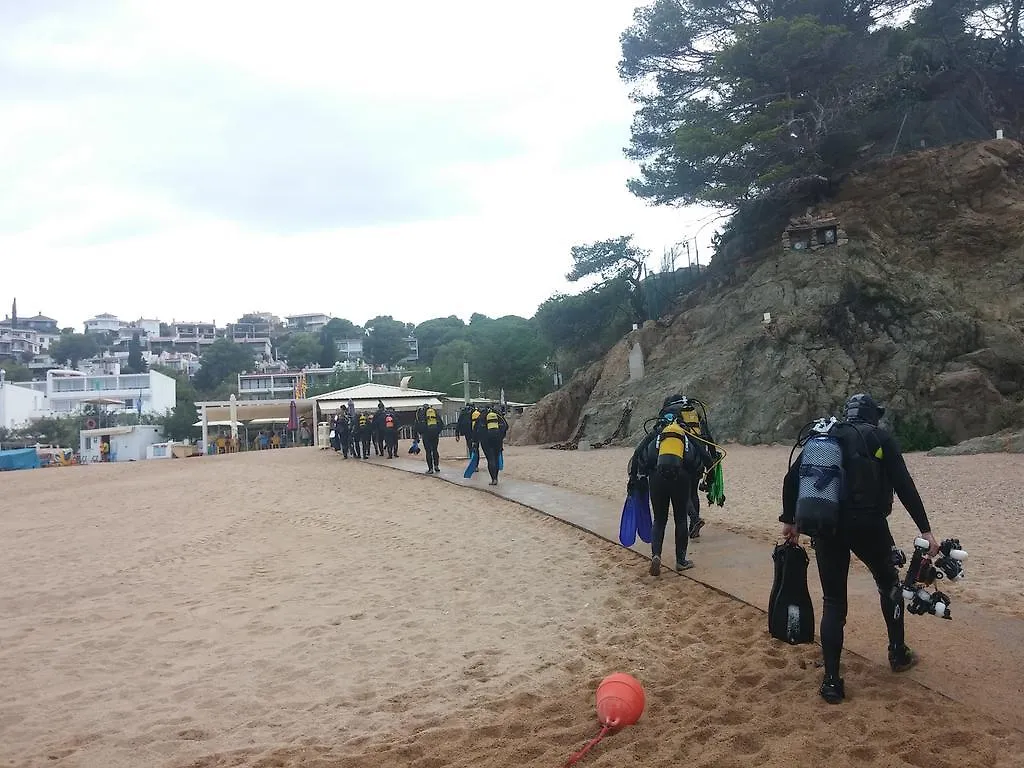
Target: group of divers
[483, 427]
[678, 459]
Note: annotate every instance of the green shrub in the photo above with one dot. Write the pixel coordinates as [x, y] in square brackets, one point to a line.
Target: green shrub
[918, 433]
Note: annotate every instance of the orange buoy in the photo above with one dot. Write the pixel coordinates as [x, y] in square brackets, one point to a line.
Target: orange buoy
[620, 700]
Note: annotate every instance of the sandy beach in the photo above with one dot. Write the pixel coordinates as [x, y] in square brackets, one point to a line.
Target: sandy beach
[978, 499]
[289, 608]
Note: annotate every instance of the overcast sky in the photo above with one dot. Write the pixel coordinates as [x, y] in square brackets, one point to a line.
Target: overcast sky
[196, 159]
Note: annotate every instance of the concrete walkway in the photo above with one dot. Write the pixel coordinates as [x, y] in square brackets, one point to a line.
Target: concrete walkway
[989, 676]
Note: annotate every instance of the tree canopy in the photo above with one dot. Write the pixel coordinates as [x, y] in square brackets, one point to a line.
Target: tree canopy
[220, 364]
[70, 348]
[385, 342]
[740, 101]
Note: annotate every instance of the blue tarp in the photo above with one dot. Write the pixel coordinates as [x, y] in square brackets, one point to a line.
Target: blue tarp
[22, 458]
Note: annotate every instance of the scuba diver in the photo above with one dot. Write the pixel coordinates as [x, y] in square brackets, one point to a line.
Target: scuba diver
[343, 432]
[696, 423]
[389, 433]
[428, 426]
[363, 435]
[466, 426]
[874, 468]
[667, 464]
[378, 429]
[490, 430]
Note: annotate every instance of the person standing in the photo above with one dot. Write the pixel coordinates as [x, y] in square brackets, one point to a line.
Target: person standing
[490, 432]
[874, 468]
[670, 484]
[429, 426]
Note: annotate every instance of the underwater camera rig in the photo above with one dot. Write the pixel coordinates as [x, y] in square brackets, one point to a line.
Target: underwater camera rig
[924, 570]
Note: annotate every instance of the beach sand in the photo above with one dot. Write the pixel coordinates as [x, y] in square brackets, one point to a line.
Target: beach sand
[977, 499]
[288, 608]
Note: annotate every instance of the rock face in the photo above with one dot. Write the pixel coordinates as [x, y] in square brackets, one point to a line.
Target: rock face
[923, 307]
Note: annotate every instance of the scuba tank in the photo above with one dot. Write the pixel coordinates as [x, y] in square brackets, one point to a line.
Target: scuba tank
[671, 449]
[821, 490]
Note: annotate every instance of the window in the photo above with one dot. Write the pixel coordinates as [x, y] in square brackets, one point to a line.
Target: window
[129, 403]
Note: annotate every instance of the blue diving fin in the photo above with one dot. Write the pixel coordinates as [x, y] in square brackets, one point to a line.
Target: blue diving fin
[474, 462]
[501, 461]
[627, 525]
[642, 505]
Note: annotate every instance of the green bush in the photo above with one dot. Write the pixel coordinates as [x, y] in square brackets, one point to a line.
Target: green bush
[918, 433]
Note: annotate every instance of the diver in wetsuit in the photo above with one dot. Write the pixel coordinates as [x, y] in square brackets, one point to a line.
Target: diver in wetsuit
[378, 429]
[668, 485]
[363, 435]
[874, 468]
[466, 426]
[684, 409]
[490, 430]
[429, 426]
[343, 432]
[389, 433]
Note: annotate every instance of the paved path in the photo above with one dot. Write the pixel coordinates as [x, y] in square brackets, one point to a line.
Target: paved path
[991, 679]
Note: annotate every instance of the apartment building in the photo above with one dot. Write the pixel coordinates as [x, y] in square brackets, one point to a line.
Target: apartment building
[280, 385]
[65, 392]
[104, 323]
[312, 322]
[19, 343]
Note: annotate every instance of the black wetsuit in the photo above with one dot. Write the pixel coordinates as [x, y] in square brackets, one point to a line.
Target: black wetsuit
[676, 490]
[343, 433]
[378, 432]
[864, 531]
[431, 435]
[466, 428]
[490, 431]
[389, 435]
[363, 436]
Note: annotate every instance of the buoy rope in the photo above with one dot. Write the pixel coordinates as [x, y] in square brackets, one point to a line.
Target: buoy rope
[593, 743]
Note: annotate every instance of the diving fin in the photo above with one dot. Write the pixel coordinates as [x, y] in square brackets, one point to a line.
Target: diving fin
[627, 525]
[642, 505]
[501, 461]
[474, 462]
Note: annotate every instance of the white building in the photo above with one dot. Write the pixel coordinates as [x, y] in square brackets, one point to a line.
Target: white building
[19, 404]
[126, 443]
[312, 322]
[281, 385]
[68, 391]
[148, 327]
[104, 323]
[19, 343]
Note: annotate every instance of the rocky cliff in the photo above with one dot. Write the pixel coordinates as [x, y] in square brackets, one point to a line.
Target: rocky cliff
[921, 303]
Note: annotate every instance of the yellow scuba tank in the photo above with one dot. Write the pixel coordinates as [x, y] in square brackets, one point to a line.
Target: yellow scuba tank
[493, 421]
[431, 417]
[691, 420]
[671, 448]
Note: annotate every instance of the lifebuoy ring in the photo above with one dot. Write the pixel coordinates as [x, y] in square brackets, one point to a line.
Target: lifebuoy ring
[90, 423]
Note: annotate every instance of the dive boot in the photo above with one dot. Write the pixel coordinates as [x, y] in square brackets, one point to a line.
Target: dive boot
[901, 661]
[832, 689]
[655, 566]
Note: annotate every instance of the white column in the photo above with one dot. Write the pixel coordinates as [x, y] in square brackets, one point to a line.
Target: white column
[206, 430]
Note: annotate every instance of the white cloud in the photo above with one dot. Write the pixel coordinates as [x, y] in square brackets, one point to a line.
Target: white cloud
[197, 160]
